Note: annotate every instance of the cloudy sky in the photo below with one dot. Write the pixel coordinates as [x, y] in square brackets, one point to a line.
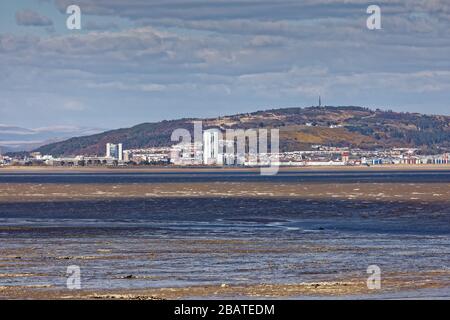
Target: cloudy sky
[147, 60]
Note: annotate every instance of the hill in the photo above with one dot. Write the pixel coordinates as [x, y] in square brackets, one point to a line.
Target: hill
[300, 128]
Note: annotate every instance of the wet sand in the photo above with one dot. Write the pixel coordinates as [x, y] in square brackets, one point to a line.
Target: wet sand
[349, 288]
[414, 192]
[218, 239]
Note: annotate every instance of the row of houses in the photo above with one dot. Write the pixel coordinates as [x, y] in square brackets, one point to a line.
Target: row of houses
[215, 152]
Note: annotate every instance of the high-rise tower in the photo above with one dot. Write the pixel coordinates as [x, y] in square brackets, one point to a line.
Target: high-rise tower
[114, 151]
[211, 148]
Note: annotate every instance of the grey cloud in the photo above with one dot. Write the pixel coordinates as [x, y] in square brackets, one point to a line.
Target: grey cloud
[247, 9]
[98, 26]
[12, 43]
[337, 22]
[27, 17]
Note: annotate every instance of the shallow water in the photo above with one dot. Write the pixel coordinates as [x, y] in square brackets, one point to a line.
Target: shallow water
[403, 176]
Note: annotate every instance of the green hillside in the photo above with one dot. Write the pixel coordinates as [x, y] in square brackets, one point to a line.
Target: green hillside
[299, 129]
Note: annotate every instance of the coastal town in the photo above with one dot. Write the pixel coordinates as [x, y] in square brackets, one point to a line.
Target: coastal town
[204, 154]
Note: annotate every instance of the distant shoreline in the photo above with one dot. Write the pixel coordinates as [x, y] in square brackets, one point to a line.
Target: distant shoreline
[31, 169]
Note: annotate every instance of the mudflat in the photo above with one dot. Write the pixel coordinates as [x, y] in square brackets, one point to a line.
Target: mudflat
[411, 192]
[187, 234]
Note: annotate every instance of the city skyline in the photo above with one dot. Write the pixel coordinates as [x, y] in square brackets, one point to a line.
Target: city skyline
[154, 60]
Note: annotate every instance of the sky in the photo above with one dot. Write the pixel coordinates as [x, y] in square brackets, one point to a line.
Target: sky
[140, 61]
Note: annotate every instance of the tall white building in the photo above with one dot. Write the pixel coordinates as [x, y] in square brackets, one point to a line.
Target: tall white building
[114, 151]
[212, 153]
[120, 151]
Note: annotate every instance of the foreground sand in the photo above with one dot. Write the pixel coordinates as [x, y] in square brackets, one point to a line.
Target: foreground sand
[413, 197]
[352, 287]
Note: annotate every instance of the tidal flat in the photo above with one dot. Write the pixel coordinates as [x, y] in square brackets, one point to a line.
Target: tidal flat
[190, 234]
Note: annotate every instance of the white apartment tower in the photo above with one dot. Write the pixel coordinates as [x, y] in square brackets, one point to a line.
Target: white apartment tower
[120, 151]
[108, 150]
[211, 151]
[114, 151]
